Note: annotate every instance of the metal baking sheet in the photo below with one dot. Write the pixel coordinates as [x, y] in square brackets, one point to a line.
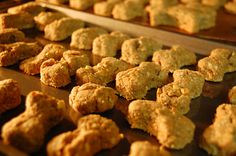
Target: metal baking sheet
[201, 113]
[220, 32]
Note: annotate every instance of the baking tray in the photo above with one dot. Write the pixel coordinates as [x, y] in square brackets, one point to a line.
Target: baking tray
[220, 32]
[201, 113]
[198, 45]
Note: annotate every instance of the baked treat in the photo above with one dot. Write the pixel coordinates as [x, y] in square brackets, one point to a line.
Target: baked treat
[218, 138]
[11, 35]
[31, 7]
[93, 134]
[192, 18]
[137, 50]
[127, 10]
[103, 73]
[172, 129]
[62, 28]
[228, 54]
[45, 18]
[92, 98]
[82, 4]
[10, 95]
[134, 83]
[105, 8]
[20, 21]
[27, 131]
[174, 58]
[214, 3]
[193, 80]
[174, 97]
[32, 65]
[217, 64]
[163, 3]
[75, 60]
[160, 16]
[232, 95]
[108, 44]
[55, 73]
[12, 53]
[231, 7]
[212, 68]
[83, 38]
[143, 148]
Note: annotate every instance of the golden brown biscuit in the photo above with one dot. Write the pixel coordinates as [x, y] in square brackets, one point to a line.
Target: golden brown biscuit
[172, 129]
[174, 97]
[31, 7]
[83, 38]
[145, 148]
[93, 134]
[160, 16]
[92, 98]
[19, 21]
[230, 7]
[193, 80]
[192, 18]
[103, 73]
[60, 29]
[27, 131]
[127, 10]
[104, 8]
[12, 53]
[217, 64]
[174, 58]
[75, 60]
[32, 65]
[55, 73]
[228, 54]
[137, 50]
[218, 138]
[232, 95]
[82, 4]
[10, 95]
[213, 69]
[45, 18]
[108, 44]
[134, 83]
[11, 35]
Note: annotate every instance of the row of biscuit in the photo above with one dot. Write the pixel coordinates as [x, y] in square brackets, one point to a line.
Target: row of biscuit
[44, 112]
[189, 15]
[28, 130]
